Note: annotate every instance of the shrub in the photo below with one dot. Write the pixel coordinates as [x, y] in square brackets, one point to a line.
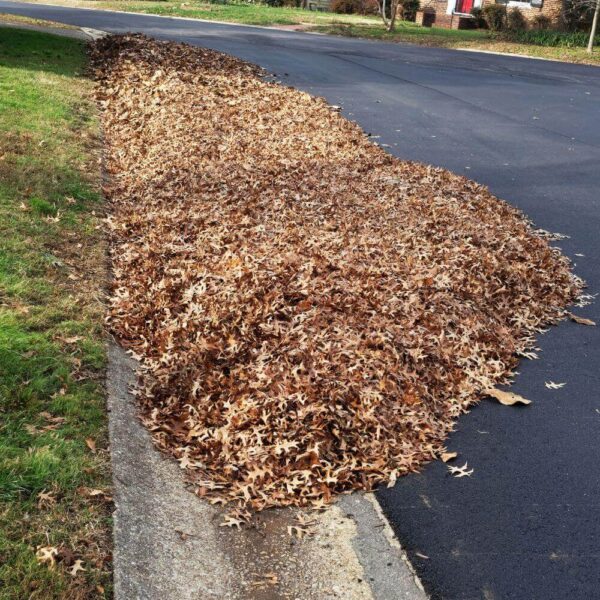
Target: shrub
[407, 9]
[274, 2]
[345, 7]
[515, 21]
[545, 37]
[495, 16]
[350, 7]
[478, 17]
[540, 22]
[370, 7]
[577, 15]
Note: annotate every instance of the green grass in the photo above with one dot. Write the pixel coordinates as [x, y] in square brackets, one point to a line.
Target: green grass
[52, 354]
[231, 12]
[473, 39]
[250, 14]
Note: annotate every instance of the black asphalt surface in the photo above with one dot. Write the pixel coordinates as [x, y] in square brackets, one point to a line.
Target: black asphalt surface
[526, 525]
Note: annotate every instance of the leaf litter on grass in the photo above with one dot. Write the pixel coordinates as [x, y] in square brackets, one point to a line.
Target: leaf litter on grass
[311, 314]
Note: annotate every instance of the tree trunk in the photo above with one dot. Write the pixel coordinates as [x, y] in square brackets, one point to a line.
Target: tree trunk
[383, 15]
[594, 27]
[393, 13]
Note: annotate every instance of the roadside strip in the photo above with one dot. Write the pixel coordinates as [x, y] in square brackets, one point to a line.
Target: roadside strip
[169, 543]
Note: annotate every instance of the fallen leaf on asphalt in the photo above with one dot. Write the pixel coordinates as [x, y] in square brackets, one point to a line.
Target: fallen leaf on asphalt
[529, 354]
[422, 555]
[463, 471]
[311, 315]
[581, 320]
[585, 300]
[554, 386]
[448, 456]
[507, 398]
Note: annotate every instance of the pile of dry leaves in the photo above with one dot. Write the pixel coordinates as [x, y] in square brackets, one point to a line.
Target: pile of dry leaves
[310, 313]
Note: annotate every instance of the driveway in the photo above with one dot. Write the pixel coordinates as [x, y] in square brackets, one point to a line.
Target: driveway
[526, 525]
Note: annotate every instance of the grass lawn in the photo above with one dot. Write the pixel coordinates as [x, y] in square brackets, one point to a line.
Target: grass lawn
[249, 14]
[474, 39]
[332, 23]
[54, 473]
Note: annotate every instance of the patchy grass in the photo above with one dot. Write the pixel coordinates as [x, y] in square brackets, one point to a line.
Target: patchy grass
[348, 25]
[52, 354]
[6, 19]
[473, 39]
[249, 14]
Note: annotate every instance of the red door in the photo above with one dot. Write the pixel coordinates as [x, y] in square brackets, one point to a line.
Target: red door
[464, 6]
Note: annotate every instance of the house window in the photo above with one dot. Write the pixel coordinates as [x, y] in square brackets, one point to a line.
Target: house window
[519, 4]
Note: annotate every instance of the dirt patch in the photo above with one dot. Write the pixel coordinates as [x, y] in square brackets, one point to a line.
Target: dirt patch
[310, 313]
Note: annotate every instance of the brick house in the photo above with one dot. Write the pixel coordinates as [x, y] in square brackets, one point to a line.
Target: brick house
[455, 14]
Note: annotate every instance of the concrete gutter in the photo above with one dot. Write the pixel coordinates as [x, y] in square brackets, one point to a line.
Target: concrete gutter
[170, 545]
[79, 33]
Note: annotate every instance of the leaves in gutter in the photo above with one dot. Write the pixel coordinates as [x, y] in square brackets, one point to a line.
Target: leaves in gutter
[311, 315]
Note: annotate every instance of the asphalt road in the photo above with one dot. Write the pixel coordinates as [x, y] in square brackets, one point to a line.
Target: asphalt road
[526, 525]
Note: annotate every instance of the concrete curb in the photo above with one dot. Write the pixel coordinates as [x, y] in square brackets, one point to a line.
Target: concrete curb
[94, 34]
[79, 33]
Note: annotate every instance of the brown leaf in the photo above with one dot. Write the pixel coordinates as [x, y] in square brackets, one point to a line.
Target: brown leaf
[47, 555]
[229, 521]
[46, 499]
[581, 320]
[31, 429]
[507, 398]
[77, 566]
[448, 456]
[91, 444]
